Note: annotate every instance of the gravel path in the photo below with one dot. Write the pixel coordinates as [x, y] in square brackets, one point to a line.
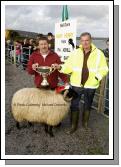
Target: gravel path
[34, 141]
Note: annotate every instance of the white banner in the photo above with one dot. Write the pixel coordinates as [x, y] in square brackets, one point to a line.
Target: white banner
[65, 38]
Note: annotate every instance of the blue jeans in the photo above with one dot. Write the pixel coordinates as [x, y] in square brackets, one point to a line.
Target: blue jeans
[88, 98]
[18, 59]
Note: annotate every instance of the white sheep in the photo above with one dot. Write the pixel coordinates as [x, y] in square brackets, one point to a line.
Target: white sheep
[41, 106]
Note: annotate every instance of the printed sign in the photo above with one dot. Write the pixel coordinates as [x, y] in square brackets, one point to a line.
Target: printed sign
[65, 38]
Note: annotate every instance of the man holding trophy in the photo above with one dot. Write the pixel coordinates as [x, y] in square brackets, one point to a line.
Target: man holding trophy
[40, 63]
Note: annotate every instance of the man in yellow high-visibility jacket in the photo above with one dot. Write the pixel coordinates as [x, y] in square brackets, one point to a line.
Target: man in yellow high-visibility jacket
[87, 66]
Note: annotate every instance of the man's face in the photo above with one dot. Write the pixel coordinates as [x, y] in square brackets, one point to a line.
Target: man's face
[43, 46]
[85, 42]
[31, 41]
[25, 40]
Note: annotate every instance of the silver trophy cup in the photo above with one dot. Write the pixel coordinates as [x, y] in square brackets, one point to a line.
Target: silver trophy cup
[44, 71]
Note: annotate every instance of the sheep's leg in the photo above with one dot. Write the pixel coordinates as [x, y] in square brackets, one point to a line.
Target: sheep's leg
[59, 125]
[30, 124]
[46, 128]
[50, 131]
[17, 125]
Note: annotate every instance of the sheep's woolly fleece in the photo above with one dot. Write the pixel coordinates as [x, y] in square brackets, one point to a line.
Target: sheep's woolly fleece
[39, 105]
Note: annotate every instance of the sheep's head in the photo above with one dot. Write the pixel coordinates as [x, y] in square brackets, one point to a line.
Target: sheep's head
[65, 96]
[69, 94]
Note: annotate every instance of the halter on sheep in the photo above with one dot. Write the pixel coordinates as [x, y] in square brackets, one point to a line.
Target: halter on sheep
[40, 105]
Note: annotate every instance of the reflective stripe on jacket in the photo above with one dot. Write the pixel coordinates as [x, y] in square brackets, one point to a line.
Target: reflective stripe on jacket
[96, 64]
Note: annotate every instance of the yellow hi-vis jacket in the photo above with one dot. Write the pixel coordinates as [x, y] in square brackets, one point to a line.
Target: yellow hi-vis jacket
[96, 64]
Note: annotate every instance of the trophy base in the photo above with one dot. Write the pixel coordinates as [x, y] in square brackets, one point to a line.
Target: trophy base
[44, 83]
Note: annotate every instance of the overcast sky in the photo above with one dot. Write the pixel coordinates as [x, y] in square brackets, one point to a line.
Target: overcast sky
[42, 19]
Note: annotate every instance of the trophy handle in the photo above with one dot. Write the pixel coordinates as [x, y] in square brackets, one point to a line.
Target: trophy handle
[38, 71]
[52, 69]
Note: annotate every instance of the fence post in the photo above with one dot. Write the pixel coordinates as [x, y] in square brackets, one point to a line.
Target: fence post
[29, 52]
[11, 53]
[14, 54]
[101, 96]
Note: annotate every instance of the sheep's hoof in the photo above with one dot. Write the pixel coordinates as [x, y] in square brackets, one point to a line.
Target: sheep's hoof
[51, 134]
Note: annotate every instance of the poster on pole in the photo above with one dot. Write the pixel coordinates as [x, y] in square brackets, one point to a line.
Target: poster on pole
[65, 38]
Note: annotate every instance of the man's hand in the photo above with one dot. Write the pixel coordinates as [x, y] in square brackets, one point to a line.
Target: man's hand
[67, 85]
[34, 66]
[56, 66]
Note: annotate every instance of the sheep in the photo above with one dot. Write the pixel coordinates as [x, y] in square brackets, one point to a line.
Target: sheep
[40, 106]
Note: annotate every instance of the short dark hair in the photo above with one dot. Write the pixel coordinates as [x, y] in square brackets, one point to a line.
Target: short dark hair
[39, 35]
[43, 38]
[86, 33]
[17, 41]
[49, 34]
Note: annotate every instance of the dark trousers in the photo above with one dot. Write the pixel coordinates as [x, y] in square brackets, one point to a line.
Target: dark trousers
[88, 98]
